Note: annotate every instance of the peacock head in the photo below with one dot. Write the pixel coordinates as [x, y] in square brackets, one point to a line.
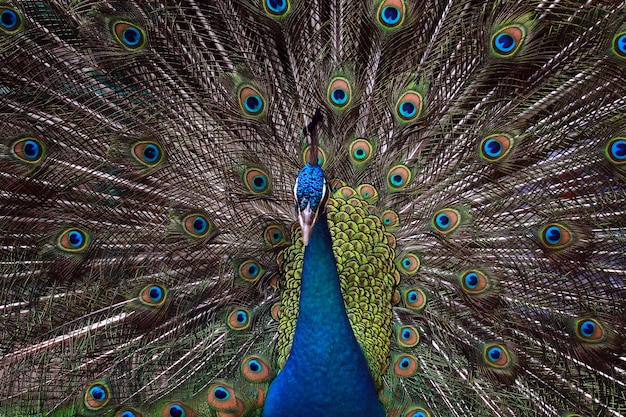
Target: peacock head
[311, 192]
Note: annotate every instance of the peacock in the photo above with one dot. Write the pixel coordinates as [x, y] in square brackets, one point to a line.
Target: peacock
[275, 208]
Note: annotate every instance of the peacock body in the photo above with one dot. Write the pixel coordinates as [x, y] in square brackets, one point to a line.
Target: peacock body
[463, 204]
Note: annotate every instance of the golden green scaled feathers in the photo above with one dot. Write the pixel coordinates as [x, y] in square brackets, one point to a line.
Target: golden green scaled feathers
[150, 260]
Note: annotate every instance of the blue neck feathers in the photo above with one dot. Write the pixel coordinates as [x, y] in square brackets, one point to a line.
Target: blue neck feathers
[326, 373]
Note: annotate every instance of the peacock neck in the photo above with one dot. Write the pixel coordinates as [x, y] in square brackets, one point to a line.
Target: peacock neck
[326, 373]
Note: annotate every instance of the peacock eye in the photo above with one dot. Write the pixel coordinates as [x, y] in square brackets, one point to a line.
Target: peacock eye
[497, 356]
[321, 156]
[251, 101]
[391, 13]
[405, 366]
[390, 219]
[276, 8]
[250, 270]
[128, 413]
[555, 236]
[221, 397]
[255, 369]
[446, 220]
[97, 396]
[153, 295]
[590, 330]
[398, 177]
[339, 93]
[415, 299]
[29, 150]
[494, 148]
[73, 240]
[409, 264]
[409, 106]
[257, 181]
[507, 41]
[619, 44]
[474, 282]
[417, 412]
[10, 20]
[407, 336]
[129, 35]
[361, 151]
[175, 410]
[148, 153]
[616, 150]
[239, 319]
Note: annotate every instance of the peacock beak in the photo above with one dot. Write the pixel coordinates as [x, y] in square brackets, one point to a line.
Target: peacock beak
[307, 219]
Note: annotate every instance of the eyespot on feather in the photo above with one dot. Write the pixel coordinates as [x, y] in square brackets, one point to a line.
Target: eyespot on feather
[407, 336]
[239, 319]
[494, 148]
[176, 409]
[250, 270]
[405, 366]
[251, 101]
[321, 156]
[414, 298]
[409, 106]
[274, 235]
[555, 236]
[276, 8]
[391, 14]
[446, 220]
[417, 412]
[197, 225]
[29, 150]
[497, 356]
[257, 181]
[255, 369]
[474, 282]
[398, 177]
[148, 153]
[10, 20]
[73, 240]
[507, 41]
[590, 331]
[409, 264]
[131, 36]
[221, 397]
[615, 150]
[97, 396]
[153, 295]
[361, 151]
[619, 44]
[368, 193]
[128, 412]
[339, 93]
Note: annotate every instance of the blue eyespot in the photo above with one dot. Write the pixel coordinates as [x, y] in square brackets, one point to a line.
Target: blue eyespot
[221, 394]
[587, 328]
[128, 414]
[148, 153]
[276, 7]
[504, 42]
[407, 334]
[200, 225]
[98, 393]
[151, 153]
[242, 317]
[442, 220]
[471, 280]
[553, 235]
[407, 109]
[412, 296]
[176, 411]
[339, 96]
[405, 363]
[259, 182]
[391, 15]
[156, 293]
[492, 148]
[9, 19]
[132, 36]
[494, 353]
[617, 150]
[253, 104]
[254, 366]
[129, 35]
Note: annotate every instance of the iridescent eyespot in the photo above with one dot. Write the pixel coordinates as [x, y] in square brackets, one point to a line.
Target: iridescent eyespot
[239, 319]
[590, 330]
[391, 13]
[414, 299]
[555, 236]
[128, 413]
[390, 219]
[97, 396]
[276, 8]
[495, 147]
[474, 282]
[251, 101]
[335, 184]
[345, 192]
[10, 20]
[407, 336]
[131, 36]
[148, 153]
[339, 93]
[619, 44]
[360, 151]
[367, 193]
[222, 397]
[153, 295]
[255, 369]
[73, 240]
[29, 150]
[405, 366]
[257, 181]
[197, 225]
[250, 270]
[507, 41]
[616, 150]
[176, 410]
[274, 235]
[321, 156]
[398, 177]
[446, 220]
[497, 356]
[409, 106]
[409, 264]
[417, 412]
